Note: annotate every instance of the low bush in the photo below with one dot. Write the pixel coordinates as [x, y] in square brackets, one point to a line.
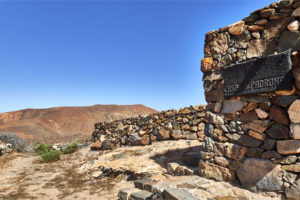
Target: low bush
[50, 156]
[14, 139]
[70, 148]
[43, 148]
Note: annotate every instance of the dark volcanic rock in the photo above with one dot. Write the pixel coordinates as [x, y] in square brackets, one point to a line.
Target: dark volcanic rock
[257, 125]
[268, 177]
[209, 130]
[284, 101]
[289, 40]
[244, 140]
[278, 131]
[254, 152]
[269, 144]
[248, 117]
[279, 115]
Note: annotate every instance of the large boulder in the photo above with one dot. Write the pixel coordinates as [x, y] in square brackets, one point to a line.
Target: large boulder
[260, 175]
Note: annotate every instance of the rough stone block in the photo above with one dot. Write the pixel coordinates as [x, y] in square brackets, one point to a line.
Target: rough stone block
[294, 111]
[268, 177]
[178, 194]
[292, 168]
[124, 194]
[248, 117]
[269, 144]
[209, 170]
[231, 106]
[278, 131]
[141, 195]
[257, 125]
[163, 134]
[235, 152]
[279, 115]
[237, 28]
[295, 131]
[243, 140]
[254, 152]
[287, 147]
[141, 183]
[214, 118]
[261, 113]
[284, 101]
[255, 135]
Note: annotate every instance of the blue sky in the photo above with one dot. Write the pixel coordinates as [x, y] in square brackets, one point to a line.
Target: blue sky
[80, 53]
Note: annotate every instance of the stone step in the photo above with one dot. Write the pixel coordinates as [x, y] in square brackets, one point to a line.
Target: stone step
[133, 193]
[140, 184]
[141, 195]
[178, 194]
[124, 193]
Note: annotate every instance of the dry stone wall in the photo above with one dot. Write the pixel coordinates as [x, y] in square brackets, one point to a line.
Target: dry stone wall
[186, 123]
[253, 138]
[260, 146]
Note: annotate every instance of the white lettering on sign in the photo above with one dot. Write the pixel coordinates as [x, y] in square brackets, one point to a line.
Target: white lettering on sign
[255, 85]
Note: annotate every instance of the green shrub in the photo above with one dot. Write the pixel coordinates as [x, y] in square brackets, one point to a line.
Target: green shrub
[70, 148]
[50, 156]
[43, 148]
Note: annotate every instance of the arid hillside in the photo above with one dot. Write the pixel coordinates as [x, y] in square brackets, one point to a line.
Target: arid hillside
[64, 123]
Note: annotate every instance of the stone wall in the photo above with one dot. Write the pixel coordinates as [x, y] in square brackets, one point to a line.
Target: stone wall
[252, 140]
[261, 132]
[186, 123]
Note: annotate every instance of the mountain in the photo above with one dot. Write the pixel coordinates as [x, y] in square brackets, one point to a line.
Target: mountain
[64, 123]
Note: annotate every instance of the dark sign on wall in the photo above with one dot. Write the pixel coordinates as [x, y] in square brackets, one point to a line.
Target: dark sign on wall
[260, 75]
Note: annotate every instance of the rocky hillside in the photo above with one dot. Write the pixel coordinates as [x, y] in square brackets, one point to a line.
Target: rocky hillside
[64, 123]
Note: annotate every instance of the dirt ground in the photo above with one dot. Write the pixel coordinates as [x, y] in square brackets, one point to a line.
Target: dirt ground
[23, 177]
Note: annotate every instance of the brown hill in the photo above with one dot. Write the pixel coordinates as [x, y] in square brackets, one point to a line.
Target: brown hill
[64, 123]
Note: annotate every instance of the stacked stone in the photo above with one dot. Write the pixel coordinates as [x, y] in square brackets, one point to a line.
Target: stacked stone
[254, 139]
[186, 123]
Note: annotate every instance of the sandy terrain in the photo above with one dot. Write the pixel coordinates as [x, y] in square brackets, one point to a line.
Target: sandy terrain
[23, 177]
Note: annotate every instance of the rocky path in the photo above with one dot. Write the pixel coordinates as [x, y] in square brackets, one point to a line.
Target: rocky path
[100, 175]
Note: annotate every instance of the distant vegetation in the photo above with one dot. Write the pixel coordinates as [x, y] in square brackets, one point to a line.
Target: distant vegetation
[41, 149]
[49, 155]
[70, 148]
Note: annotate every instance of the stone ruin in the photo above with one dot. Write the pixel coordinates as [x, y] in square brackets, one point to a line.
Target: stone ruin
[250, 127]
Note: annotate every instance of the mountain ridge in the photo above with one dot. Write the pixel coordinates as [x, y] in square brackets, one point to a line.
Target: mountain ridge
[64, 121]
